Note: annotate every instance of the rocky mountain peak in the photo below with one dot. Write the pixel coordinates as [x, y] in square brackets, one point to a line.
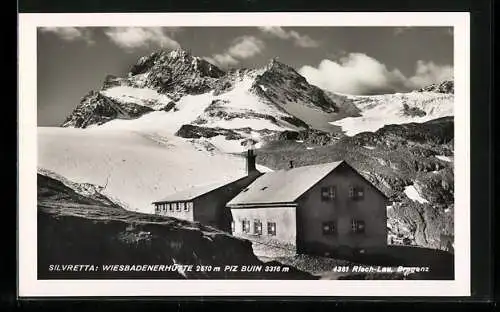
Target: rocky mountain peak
[180, 53]
[176, 71]
[175, 60]
[282, 84]
[275, 65]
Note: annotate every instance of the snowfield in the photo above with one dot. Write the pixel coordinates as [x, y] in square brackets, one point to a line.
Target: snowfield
[380, 110]
[246, 109]
[164, 123]
[141, 96]
[135, 167]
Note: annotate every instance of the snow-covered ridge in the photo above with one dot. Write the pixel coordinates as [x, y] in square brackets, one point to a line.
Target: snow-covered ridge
[237, 108]
[377, 111]
[274, 98]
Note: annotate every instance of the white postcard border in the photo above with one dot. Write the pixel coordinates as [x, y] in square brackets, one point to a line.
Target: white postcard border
[28, 284]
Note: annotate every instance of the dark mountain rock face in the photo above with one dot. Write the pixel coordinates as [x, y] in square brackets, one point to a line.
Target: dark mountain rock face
[180, 59]
[96, 109]
[280, 83]
[176, 72]
[196, 132]
[433, 133]
[443, 87]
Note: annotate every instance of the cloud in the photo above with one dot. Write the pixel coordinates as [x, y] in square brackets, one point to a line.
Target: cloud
[428, 72]
[358, 73]
[241, 48]
[222, 59]
[131, 38]
[70, 33]
[303, 41]
[246, 47]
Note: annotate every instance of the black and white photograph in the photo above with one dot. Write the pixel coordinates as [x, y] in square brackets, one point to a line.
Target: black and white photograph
[233, 152]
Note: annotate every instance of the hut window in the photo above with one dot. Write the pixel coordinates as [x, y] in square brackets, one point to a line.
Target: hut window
[157, 209]
[257, 227]
[327, 193]
[329, 228]
[271, 228]
[358, 226]
[170, 207]
[177, 207]
[245, 226]
[356, 192]
[182, 206]
[188, 206]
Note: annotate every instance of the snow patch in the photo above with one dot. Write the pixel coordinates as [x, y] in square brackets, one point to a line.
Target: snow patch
[263, 168]
[444, 158]
[226, 146]
[369, 147]
[310, 148]
[414, 195]
[140, 96]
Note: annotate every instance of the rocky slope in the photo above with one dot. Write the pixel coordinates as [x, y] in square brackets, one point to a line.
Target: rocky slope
[54, 188]
[77, 229]
[410, 163]
[158, 81]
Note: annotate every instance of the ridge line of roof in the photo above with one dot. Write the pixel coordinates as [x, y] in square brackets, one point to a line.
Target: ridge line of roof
[216, 186]
[337, 164]
[331, 166]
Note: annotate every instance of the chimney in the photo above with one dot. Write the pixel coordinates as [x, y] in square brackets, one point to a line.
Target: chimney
[290, 164]
[251, 162]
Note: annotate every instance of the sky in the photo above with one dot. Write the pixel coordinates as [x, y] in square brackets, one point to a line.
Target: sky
[351, 60]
